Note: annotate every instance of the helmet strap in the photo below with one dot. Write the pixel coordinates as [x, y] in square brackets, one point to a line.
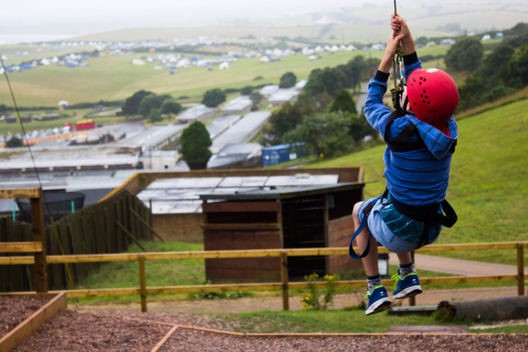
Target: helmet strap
[405, 104]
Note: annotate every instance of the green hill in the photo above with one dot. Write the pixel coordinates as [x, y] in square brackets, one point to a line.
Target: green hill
[489, 179]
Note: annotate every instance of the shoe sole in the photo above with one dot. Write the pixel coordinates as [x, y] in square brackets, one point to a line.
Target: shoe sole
[408, 292]
[379, 306]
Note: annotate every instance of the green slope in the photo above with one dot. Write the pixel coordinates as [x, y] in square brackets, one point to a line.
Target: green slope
[489, 179]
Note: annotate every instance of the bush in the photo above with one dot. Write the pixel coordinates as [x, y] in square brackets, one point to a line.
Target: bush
[288, 80]
[14, 142]
[316, 298]
[194, 146]
[213, 98]
[465, 55]
[246, 90]
[324, 134]
[131, 106]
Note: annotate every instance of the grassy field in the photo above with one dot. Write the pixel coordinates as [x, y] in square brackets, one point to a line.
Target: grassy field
[348, 320]
[115, 78]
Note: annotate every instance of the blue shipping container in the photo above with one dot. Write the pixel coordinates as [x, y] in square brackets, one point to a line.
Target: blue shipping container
[281, 153]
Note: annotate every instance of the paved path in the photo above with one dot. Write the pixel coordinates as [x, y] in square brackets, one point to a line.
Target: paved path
[459, 266]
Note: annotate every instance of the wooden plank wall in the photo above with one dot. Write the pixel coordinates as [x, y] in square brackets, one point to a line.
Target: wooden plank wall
[91, 230]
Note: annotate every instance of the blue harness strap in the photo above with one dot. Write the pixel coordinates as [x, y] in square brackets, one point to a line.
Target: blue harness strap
[366, 212]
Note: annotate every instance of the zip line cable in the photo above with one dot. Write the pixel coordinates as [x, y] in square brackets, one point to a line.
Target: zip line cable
[17, 110]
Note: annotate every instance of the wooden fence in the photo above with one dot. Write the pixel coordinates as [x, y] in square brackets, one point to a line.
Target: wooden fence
[107, 227]
[142, 290]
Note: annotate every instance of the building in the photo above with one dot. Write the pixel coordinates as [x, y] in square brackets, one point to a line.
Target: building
[236, 155]
[239, 105]
[290, 211]
[174, 197]
[283, 96]
[197, 112]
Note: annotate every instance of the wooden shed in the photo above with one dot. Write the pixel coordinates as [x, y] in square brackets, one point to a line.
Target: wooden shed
[300, 217]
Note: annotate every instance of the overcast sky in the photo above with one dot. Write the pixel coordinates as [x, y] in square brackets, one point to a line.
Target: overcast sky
[137, 13]
[74, 17]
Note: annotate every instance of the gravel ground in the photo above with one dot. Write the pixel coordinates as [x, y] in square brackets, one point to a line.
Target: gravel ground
[124, 331]
[16, 309]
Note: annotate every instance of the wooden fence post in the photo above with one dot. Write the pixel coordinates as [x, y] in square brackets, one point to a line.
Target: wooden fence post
[142, 283]
[520, 269]
[40, 270]
[284, 279]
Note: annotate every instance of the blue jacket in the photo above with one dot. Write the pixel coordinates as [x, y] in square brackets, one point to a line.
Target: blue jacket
[417, 177]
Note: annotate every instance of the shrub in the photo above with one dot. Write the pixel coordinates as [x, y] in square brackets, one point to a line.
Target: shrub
[316, 298]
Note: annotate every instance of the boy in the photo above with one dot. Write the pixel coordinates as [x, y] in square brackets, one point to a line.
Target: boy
[420, 137]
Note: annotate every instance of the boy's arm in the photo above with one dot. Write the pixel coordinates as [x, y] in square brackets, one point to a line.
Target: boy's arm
[375, 111]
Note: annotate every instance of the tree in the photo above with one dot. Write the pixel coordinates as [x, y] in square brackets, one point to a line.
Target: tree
[344, 103]
[324, 134]
[288, 80]
[354, 71]
[465, 55]
[519, 66]
[152, 102]
[495, 66]
[194, 146]
[327, 80]
[155, 115]
[14, 142]
[131, 105]
[170, 106]
[314, 103]
[284, 120]
[214, 97]
[148, 103]
[247, 90]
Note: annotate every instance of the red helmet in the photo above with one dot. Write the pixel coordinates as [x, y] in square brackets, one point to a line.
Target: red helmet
[433, 95]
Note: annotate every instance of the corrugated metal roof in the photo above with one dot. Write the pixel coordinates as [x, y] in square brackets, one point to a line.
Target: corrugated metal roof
[182, 194]
[242, 130]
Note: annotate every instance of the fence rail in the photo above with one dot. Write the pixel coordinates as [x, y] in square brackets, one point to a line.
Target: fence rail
[143, 291]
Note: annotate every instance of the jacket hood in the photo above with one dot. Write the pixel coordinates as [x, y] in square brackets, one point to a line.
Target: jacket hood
[438, 143]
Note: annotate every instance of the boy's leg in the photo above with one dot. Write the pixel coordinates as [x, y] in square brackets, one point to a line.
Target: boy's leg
[378, 299]
[407, 282]
[370, 261]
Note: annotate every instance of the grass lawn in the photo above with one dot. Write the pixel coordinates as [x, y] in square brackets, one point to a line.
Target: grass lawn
[351, 320]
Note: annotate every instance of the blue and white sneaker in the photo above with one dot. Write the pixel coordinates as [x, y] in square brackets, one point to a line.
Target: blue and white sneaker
[406, 286]
[378, 300]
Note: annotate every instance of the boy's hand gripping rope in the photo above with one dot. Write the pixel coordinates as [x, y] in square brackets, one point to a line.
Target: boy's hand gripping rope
[398, 75]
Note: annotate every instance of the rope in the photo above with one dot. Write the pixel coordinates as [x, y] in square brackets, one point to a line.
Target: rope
[20, 121]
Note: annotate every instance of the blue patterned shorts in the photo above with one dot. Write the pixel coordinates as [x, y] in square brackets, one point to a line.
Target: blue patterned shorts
[393, 230]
